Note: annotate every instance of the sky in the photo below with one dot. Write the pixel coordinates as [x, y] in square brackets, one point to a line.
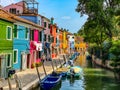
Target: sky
[63, 12]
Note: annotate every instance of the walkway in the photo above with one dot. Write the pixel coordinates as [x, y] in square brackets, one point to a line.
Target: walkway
[29, 77]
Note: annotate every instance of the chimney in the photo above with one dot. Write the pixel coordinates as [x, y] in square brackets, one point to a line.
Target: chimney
[52, 19]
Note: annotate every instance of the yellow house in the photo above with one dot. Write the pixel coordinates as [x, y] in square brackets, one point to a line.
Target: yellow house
[65, 41]
[80, 45]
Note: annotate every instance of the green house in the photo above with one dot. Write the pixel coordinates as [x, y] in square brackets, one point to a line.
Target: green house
[6, 46]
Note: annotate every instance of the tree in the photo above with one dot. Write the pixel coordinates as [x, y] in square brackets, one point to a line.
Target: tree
[115, 57]
[100, 24]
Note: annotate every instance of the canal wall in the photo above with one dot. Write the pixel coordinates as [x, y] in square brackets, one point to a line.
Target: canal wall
[98, 62]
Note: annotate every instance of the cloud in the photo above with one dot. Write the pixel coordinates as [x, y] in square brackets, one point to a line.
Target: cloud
[6, 2]
[66, 17]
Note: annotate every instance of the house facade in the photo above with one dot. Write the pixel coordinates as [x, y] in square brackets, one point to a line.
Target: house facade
[36, 35]
[53, 31]
[47, 37]
[6, 44]
[71, 42]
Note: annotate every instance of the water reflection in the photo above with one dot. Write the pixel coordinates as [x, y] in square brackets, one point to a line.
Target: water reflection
[93, 79]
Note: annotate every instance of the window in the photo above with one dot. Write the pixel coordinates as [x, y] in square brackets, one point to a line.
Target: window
[45, 24]
[31, 34]
[8, 58]
[48, 38]
[26, 33]
[52, 39]
[12, 10]
[15, 31]
[56, 40]
[15, 54]
[56, 30]
[39, 22]
[40, 36]
[9, 33]
[45, 37]
[49, 26]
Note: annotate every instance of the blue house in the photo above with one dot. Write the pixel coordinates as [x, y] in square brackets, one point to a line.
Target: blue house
[21, 46]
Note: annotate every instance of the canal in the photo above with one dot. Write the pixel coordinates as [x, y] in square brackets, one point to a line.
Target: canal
[92, 79]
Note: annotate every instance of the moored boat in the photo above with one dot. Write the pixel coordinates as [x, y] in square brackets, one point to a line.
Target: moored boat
[50, 81]
[62, 71]
[75, 71]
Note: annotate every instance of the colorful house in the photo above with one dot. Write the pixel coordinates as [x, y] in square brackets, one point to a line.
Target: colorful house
[61, 41]
[29, 11]
[47, 37]
[53, 31]
[65, 42]
[80, 45]
[6, 44]
[71, 41]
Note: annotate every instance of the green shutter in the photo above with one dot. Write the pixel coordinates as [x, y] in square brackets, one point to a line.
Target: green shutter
[15, 56]
[15, 31]
[9, 33]
[40, 36]
[26, 33]
[8, 60]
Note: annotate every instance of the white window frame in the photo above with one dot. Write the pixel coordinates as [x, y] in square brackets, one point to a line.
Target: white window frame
[10, 59]
[16, 56]
[7, 33]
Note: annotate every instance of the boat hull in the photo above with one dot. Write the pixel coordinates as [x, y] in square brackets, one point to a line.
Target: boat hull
[50, 81]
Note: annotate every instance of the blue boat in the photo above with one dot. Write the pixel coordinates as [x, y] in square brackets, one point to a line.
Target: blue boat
[50, 81]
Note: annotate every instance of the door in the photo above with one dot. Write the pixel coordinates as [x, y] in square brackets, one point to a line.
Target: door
[28, 60]
[24, 62]
[2, 66]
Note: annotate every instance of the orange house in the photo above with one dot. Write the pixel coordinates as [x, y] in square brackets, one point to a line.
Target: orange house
[53, 31]
[60, 41]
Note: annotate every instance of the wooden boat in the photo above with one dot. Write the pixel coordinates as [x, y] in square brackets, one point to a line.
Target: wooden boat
[62, 71]
[50, 81]
[75, 71]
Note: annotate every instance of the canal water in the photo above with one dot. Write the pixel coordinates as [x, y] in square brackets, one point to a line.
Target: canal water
[92, 79]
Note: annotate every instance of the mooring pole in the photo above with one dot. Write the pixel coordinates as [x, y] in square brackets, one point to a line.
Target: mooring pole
[56, 64]
[10, 87]
[64, 58]
[52, 65]
[44, 68]
[60, 62]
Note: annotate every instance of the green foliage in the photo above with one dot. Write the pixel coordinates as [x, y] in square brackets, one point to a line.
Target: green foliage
[115, 51]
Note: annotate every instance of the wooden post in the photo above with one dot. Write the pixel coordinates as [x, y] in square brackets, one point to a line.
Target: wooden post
[60, 62]
[56, 64]
[44, 68]
[38, 73]
[52, 65]
[64, 58]
[18, 82]
[10, 87]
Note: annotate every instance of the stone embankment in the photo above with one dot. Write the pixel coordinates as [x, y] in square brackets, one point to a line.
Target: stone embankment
[98, 62]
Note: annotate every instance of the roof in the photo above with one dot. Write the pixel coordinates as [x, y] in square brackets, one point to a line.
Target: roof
[10, 17]
[5, 16]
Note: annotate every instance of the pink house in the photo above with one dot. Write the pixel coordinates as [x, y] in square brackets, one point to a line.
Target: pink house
[47, 36]
[16, 8]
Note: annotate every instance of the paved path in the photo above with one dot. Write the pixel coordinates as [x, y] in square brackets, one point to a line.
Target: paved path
[29, 77]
